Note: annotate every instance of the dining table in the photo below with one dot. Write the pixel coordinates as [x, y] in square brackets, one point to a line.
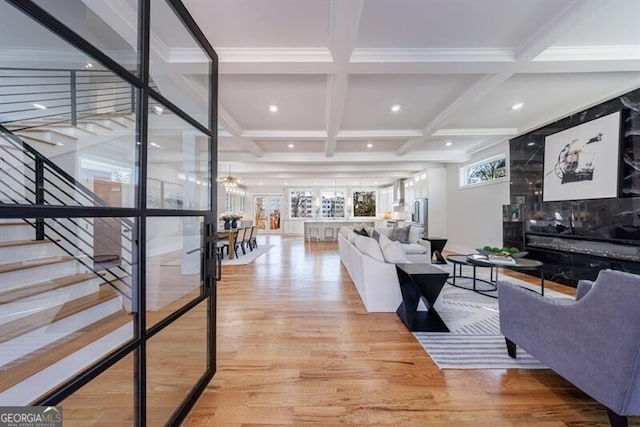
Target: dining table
[229, 233]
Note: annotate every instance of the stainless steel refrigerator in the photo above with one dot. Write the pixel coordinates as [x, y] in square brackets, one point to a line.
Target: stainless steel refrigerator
[421, 214]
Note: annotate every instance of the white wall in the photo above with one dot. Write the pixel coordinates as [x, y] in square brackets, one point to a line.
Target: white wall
[437, 195]
[475, 213]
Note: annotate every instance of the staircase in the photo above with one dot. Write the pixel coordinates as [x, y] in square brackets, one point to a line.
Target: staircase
[63, 305]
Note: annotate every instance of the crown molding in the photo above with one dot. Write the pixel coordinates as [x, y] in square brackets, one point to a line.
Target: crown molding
[590, 53]
[433, 55]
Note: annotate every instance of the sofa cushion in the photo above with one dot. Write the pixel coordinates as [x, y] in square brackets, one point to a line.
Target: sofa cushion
[392, 251]
[400, 234]
[370, 247]
[344, 231]
[351, 236]
[414, 248]
[415, 233]
[375, 234]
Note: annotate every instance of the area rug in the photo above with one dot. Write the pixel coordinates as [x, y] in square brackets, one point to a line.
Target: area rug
[249, 257]
[475, 341]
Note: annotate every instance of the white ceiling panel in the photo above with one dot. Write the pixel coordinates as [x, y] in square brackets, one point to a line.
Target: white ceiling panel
[270, 146]
[453, 23]
[421, 97]
[260, 23]
[229, 145]
[545, 97]
[616, 24]
[300, 100]
[457, 144]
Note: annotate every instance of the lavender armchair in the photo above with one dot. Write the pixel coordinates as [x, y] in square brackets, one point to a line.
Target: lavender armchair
[593, 342]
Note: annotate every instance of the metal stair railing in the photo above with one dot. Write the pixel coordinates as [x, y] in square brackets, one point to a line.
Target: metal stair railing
[42, 182]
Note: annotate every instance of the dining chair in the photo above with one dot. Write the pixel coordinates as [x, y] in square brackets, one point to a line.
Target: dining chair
[253, 242]
[239, 239]
[247, 238]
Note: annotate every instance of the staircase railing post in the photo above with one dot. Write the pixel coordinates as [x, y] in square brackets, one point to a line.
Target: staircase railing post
[74, 106]
[39, 196]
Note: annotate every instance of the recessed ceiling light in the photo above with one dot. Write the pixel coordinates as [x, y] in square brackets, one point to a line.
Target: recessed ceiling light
[60, 143]
[395, 108]
[291, 146]
[153, 144]
[273, 108]
[531, 144]
[286, 183]
[261, 183]
[159, 110]
[517, 106]
[40, 106]
[448, 143]
[369, 145]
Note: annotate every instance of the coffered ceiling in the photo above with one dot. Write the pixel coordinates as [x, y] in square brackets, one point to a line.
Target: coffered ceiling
[334, 69]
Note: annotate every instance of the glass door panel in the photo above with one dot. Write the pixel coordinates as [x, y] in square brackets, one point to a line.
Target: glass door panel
[267, 213]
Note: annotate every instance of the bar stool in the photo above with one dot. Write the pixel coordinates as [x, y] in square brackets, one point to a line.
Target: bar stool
[329, 233]
[313, 233]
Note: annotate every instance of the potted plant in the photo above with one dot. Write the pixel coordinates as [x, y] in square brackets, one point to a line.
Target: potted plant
[226, 217]
[234, 220]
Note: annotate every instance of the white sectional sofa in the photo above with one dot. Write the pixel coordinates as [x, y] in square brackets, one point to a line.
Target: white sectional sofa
[373, 271]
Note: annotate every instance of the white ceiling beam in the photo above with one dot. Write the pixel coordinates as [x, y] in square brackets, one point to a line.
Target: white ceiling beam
[476, 132]
[565, 19]
[431, 55]
[479, 89]
[355, 158]
[227, 122]
[284, 134]
[343, 35]
[379, 134]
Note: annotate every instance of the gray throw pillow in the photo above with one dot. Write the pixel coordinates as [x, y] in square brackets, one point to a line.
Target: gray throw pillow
[361, 232]
[400, 234]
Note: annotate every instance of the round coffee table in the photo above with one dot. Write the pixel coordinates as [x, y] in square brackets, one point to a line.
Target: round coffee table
[458, 261]
[519, 264]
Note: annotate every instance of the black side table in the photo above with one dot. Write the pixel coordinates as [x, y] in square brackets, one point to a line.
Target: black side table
[437, 246]
[421, 281]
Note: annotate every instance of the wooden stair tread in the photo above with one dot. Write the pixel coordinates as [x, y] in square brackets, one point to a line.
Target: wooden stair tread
[38, 288]
[35, 138]
[12, 243]
[40, 262]
[23, 368]
[21, 326]
[13, 224]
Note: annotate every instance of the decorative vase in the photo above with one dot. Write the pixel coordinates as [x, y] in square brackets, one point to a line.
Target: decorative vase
[234, 224]
[227, 225]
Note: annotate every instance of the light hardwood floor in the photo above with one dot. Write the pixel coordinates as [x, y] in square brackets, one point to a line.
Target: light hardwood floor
[296, 347]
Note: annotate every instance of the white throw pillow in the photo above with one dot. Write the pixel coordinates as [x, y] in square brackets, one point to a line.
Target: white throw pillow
[351, 236]
[392, 251]
[370, 247]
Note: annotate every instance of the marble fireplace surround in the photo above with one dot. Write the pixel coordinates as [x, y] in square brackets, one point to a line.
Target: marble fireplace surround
[575, 239]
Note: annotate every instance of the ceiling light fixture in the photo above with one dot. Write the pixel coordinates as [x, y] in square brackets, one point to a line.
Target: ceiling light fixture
[369, 145]
[531, 144]
[229, 182]
[517, 106]
[395, 108]
[448, 143]
[273, 108]
[159, 110]
[88, 65]
[155, 144]
[291, 145]
[40, 106]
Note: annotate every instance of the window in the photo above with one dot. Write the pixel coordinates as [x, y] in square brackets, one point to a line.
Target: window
[301, 204]
[364, 203]
[486, 170]
[333, 204]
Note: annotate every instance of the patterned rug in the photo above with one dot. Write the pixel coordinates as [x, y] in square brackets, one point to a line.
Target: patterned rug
[475, 341]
